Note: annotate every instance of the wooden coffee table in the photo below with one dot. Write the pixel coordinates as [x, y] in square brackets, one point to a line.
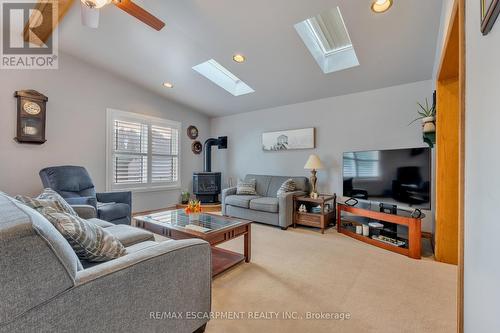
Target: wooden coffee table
[214, 229]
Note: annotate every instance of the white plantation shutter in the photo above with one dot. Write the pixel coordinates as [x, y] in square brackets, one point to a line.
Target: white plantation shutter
[165, 151]
[143, 152]
[130, 153]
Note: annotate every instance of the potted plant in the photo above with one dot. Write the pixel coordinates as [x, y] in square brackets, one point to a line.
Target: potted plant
[193, 210]
[185, 195]
[428, 116]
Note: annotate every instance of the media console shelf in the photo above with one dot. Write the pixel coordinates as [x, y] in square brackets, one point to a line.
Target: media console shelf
[345, 226]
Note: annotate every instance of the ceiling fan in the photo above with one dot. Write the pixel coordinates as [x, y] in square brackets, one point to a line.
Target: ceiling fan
[90, 15]
[90, 12]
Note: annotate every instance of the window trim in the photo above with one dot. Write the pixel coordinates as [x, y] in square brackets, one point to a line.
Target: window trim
[111, 115]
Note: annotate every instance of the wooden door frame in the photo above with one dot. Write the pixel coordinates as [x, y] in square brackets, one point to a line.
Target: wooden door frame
[458, 17]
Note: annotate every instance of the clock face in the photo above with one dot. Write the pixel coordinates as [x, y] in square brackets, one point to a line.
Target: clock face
[31, 108]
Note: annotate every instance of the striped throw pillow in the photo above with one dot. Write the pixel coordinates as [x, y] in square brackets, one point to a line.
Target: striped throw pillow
[48, 198]
[246, 187]
[89, 241]
[287, 186]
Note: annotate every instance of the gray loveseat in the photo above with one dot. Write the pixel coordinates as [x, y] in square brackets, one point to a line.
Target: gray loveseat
[45, 287]
[266, 206]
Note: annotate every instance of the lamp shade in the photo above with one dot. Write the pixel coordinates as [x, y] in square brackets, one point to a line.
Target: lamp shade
[314, 163]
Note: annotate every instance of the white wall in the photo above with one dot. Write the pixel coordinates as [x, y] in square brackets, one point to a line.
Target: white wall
[482, 180]
[375, 119]
[76, 124]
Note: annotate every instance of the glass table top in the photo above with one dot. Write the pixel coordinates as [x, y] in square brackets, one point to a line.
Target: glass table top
[204, 223]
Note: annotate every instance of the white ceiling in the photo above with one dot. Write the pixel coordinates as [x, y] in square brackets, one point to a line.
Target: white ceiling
[393, 48]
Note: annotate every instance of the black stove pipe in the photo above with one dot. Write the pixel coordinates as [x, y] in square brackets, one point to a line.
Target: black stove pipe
[221, 143]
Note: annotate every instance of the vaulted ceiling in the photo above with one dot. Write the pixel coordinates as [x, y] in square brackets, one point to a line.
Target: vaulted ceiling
[393, 48]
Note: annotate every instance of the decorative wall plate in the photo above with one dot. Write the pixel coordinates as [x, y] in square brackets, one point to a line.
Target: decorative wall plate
[196, 147]
[192, 132]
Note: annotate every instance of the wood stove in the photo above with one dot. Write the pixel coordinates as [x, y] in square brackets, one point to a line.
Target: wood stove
[207, 184]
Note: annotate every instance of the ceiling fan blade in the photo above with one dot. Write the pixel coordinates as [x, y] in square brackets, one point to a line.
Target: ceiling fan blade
[139, 13]
[90, 16]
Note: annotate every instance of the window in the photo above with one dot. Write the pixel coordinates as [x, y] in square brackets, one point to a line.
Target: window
[142, 152]
[222, 77]
[364, 164]
[327, 38]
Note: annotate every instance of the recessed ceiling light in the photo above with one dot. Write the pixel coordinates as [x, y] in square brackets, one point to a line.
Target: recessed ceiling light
[380, 6]
[239, 58]
[168, 85]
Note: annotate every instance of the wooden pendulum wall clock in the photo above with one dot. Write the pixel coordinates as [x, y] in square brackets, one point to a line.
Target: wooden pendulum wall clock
[31, 116]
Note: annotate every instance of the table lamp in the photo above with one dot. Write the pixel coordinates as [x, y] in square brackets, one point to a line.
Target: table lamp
[313, 164]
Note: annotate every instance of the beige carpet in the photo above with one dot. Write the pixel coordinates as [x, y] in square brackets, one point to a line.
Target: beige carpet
[300, 270]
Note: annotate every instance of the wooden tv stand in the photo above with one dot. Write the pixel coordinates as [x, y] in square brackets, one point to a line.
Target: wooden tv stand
[413, 249]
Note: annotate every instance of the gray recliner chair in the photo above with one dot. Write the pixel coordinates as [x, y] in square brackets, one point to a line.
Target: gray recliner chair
[74, 184]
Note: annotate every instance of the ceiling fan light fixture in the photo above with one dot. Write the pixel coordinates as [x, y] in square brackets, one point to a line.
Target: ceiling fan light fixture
[381, 6]
[95, 3]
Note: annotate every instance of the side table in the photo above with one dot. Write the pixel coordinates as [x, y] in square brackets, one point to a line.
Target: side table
[321, 219]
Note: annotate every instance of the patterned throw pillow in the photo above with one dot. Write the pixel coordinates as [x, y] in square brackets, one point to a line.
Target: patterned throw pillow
[48, 198]
[89, 241]
[50, 194]
[287, 186]
[246, 187]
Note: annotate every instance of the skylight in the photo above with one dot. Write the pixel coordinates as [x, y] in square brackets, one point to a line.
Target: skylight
[222, 77]
[327, 38]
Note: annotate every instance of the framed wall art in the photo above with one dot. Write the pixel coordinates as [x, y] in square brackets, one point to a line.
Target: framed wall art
[288, 139]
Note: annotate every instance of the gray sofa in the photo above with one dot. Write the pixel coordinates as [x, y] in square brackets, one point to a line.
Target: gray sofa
[45, 287]
[266, 206]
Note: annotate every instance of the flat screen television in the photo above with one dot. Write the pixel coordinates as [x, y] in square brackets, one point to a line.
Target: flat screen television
[398, 176]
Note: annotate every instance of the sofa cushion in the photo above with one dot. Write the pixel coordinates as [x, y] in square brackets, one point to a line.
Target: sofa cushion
[141, 246]
[89, 241]
[246, 187]
[100, 223]
[265, 204]
[287, 186]
[110, 212]
[130, 235]
[242, 201]
[48, 198]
